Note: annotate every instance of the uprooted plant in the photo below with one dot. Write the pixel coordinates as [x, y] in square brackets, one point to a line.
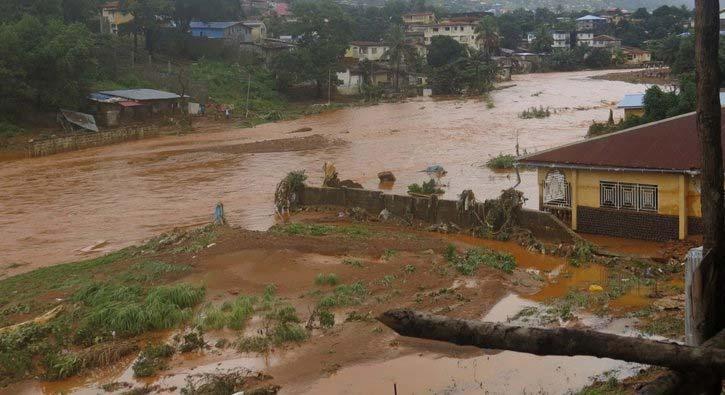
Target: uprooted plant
[287, 194]
[502, 213]
[470, 260]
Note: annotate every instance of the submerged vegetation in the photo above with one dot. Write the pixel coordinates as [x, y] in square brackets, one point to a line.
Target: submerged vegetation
[426, 188]
[535, 112]
[501, 161]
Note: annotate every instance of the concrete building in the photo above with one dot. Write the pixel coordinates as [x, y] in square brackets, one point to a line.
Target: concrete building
[112, 108]
[419, 18]
[636, 56]
[112, 16]
[366, 50]
[562, 39]
[590, 23]
[605, 41]
[584, 39]
[255, 32]
[462, 32]
[641, 183]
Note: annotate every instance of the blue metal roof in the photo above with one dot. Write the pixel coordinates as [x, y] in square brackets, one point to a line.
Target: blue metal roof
[636, 100]
[212, 25]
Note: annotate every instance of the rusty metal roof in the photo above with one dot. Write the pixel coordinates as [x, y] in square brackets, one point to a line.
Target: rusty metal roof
[670, 145]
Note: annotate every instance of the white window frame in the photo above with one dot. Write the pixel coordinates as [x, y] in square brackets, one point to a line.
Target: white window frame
[628, 196]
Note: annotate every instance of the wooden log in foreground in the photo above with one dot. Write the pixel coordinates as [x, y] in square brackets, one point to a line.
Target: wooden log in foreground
[674, 382]
[558, 341]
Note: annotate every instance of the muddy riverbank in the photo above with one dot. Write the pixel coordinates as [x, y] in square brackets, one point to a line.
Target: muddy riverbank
[51, 208]
[387, 266]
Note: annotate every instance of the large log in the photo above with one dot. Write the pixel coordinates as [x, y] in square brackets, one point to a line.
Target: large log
[559, 341]
[674, 382]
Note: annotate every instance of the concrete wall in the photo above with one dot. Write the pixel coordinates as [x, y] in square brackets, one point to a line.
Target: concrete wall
[432, 210]
[86, 140]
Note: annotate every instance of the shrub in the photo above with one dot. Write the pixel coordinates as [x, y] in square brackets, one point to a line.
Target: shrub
[427, 188]
[582, 253]
[501, 162]
[534, 112]
[152, 359]
[258, 344]
[285, 332]
[327, 319]
[345, 295]
[60, 365]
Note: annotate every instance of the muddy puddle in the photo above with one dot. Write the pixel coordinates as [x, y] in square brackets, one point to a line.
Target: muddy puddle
[53, 207]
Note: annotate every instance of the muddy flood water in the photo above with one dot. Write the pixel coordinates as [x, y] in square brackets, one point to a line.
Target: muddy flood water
[53, 207]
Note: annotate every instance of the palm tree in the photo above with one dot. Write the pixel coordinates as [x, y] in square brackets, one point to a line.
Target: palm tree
[400, 51]
[487, 35]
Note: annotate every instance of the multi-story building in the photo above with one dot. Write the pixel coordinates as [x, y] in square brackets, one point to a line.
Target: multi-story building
[605, 41]
[462, 32]
[584, 39]
[590, 23]
[366, 50]
[562, 39]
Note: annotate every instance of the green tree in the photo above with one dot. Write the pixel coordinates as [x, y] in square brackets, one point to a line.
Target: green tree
[543, 42]
[598, 58]
[400, 52]
[444, 50]
[480, 72]
[487, 35]
[44, 64]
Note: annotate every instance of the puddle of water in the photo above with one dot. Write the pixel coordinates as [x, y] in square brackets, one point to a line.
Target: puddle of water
[503, 372]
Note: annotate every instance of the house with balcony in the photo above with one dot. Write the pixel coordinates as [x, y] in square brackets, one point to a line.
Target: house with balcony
[419, 18]
[605, 41]
[640, 183]
[636, 56]
[590, 23]
[562, 39]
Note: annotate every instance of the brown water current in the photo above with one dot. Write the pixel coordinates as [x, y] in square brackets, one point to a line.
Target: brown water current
[52, 207]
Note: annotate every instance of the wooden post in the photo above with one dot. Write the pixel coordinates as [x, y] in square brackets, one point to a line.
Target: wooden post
[682, 203]
[574, 197]
[693, 289]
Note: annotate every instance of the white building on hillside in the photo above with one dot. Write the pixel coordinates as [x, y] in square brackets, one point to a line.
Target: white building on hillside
[462, 32]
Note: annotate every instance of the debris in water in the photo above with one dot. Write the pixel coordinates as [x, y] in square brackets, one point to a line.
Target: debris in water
[595, 288]
[386, 176]
[94, 247]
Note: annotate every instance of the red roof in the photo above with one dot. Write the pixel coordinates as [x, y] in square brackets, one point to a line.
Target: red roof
[129, 103]
[670, 145]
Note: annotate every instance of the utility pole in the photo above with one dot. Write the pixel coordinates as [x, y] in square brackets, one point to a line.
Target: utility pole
[329, 87]
[246, 105]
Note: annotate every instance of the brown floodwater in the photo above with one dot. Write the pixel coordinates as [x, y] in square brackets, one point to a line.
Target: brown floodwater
[52, 207]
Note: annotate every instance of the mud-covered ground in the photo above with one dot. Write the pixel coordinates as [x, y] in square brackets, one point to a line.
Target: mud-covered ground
[373, 267]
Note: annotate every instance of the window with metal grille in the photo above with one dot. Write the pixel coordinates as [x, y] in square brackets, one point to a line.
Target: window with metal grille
[627, 196]
[557, 191]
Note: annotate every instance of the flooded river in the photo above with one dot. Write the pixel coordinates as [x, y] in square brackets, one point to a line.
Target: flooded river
[52, 207]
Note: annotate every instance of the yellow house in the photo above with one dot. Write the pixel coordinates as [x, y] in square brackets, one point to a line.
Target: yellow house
[370, 50]
[641, 183]
[112, 16]
[633, 105]
[419, 18]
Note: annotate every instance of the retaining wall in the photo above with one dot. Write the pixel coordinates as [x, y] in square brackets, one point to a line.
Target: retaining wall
[432, 210]
[87, 140]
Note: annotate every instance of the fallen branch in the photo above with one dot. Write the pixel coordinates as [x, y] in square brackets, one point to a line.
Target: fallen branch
[42, 319]
[559, 341]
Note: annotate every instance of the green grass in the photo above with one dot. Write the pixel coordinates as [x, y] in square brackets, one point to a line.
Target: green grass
[231, 314]
[61, 365]
[149, 271]
[609, 387]
[582, 253]
[327, 279]
[345, 295]
[327, 319]
[152, 359]
[298, 229]
[469, 262]
[389, 254]
[110, 310]
[501, 161]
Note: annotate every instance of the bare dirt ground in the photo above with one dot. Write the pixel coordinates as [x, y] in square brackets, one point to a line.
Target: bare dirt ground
[649, 77]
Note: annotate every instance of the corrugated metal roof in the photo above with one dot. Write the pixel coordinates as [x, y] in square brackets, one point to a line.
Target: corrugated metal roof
[591, 18]
[86, 121]
[633, 100]
[212, 25]
[100, 97]
[671, 145]
[142, 94]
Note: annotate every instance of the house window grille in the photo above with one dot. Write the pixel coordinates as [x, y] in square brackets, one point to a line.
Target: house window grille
[627, 196]
[557, 191]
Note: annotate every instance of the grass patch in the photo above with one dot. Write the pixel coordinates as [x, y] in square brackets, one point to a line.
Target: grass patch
[426, 188]
[148, 271]
[501, 161]
[152, 359]
[468, 262]
[199, 239]
[610, 386]
[118, 310]
[582, 253]
[231, 314]
[327, 279]
[298, 229]
[258, 344]
[345, 295]
[352, 262]
[535, 112]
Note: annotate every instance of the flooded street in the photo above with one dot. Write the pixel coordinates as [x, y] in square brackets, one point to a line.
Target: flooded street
[52, 207]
